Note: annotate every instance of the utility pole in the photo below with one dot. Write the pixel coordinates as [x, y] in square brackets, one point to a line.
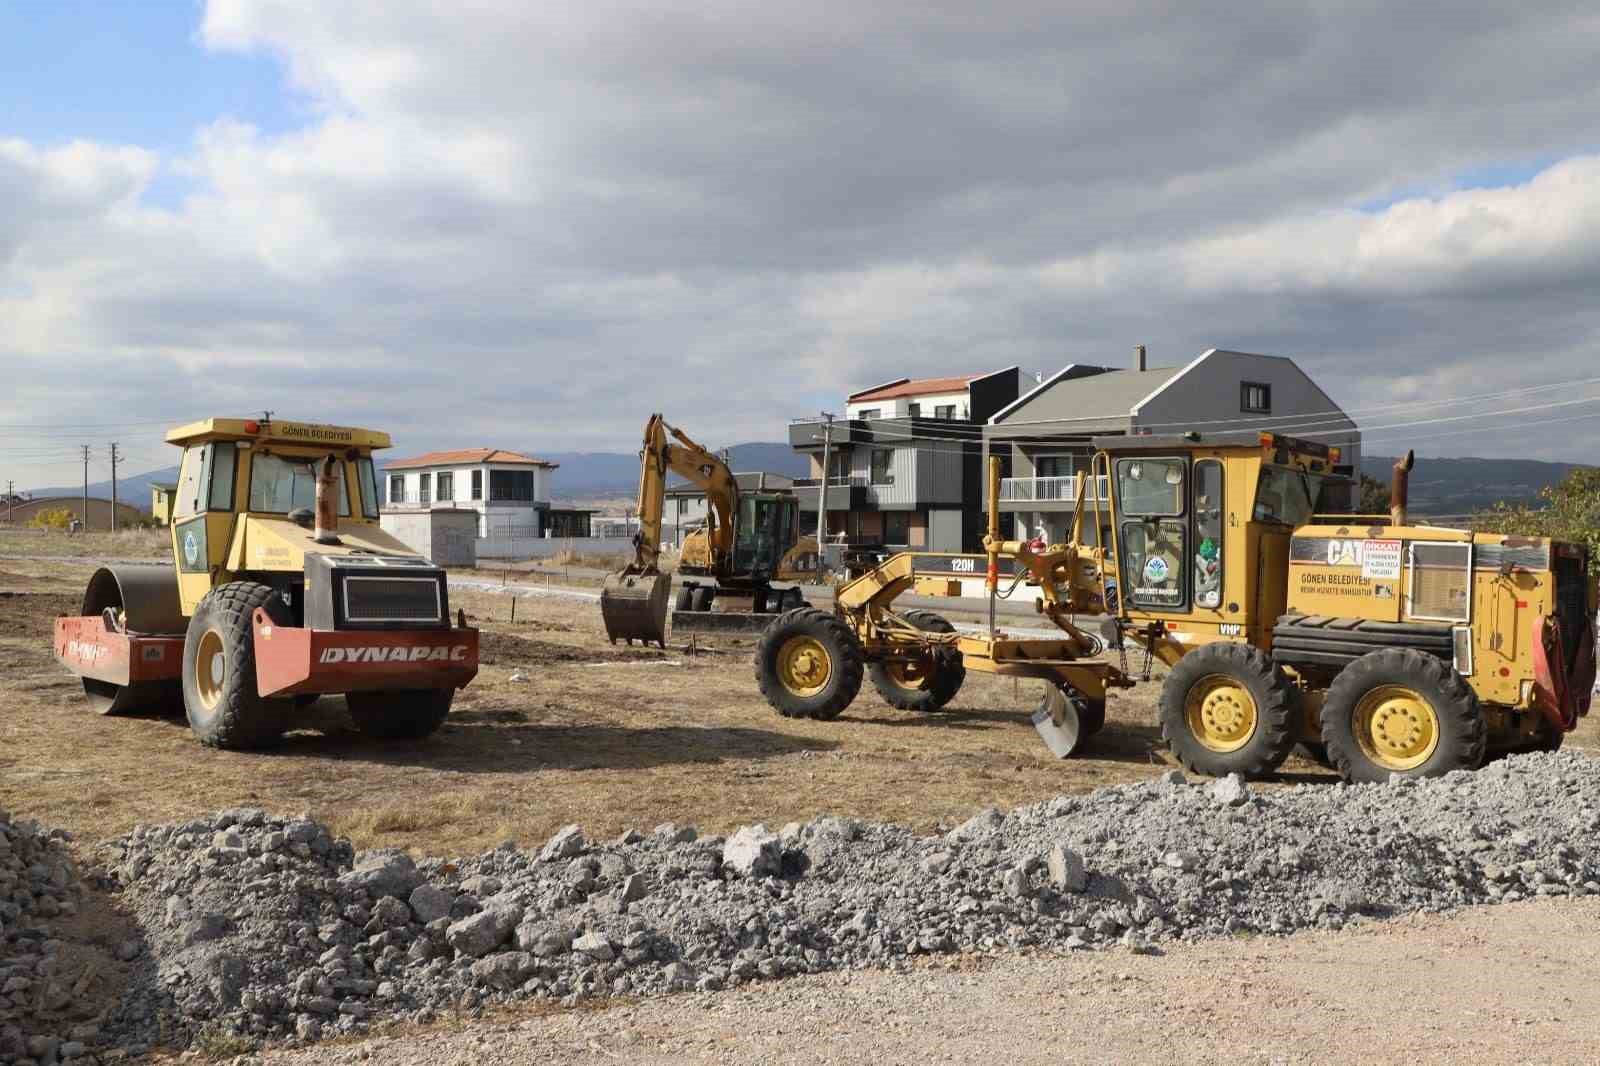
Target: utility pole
[85, 488]
[114, 458]
[822, 496]
[11, 500]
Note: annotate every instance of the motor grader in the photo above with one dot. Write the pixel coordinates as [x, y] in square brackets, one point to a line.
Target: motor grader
[282, 588]
[1380, 645]
[726, 571]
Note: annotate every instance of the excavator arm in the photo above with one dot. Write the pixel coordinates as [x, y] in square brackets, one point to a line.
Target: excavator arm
[633, 602]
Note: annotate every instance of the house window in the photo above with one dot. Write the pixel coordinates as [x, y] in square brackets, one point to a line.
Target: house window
[512, 485]
[882, 464]
[1053, 466]
[870, 412]
[425, 488]
[946, 411]
[477, 484]
[1255, 398]
[914, 410]
[839, 466]
[397, 488]
[447, 487]
[896, 527]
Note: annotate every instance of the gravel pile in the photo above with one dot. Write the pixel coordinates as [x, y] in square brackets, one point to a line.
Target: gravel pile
[266, 928]
[39, 887]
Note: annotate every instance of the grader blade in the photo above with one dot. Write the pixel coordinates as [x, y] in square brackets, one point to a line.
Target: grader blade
[1059, 724]
[634, 607]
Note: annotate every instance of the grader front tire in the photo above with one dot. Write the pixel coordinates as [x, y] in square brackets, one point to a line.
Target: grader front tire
[1226, 708]
[924, 686]
[220, 698]
[809, 664]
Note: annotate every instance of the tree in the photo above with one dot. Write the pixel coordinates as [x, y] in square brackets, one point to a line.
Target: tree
[1570, 512]
[1374, 496]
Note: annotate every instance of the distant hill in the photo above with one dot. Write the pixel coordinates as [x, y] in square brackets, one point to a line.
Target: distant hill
[1463, 486]
[133, 489]
[589, 474]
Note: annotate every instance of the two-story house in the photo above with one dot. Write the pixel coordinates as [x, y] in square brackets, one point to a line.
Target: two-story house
[902, 467]
[509, 491]
[1043, 437]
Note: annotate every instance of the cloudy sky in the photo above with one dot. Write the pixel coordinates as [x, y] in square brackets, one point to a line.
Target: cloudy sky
[529, 225]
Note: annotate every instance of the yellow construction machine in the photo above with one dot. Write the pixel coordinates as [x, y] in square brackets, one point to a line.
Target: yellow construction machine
[1382, 646]
[282, 588]
[726, 571]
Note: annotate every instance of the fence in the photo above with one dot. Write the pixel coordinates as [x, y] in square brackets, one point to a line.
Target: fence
[512, 548]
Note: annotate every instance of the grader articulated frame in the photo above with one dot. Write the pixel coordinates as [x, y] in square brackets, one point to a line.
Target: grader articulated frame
[810, 663]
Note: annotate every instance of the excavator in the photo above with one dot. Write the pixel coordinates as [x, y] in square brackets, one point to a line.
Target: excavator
[748, 542]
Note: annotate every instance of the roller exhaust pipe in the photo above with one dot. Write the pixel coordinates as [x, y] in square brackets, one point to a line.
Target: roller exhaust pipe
[1399, 487]
[326, 530]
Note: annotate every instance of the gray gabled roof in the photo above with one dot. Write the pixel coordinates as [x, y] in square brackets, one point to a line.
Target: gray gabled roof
[1094, 397]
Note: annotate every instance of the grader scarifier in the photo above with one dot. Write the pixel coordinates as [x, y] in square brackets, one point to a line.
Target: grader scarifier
[1380, 646]
[282, 588]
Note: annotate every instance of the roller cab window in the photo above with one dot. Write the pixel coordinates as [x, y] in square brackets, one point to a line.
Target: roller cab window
[1154, 530]
[283, 483]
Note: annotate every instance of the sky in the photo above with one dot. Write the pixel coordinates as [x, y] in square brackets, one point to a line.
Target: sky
[494, 223]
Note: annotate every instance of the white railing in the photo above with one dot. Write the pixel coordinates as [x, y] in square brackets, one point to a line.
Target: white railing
[1049, 489]
[412, 499]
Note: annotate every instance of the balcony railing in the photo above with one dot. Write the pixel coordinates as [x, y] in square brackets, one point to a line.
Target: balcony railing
[411, 499]
[836, 480]
[1049, 489]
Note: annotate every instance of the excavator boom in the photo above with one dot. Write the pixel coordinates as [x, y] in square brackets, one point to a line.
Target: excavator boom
[633, 602]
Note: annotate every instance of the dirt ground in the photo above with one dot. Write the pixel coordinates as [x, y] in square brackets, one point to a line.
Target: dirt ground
[608, 737]
[1414, 990]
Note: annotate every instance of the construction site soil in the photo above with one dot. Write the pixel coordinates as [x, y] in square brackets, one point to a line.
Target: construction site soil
[559, 728]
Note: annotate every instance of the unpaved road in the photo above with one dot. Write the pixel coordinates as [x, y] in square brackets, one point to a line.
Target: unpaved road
[1517, 983]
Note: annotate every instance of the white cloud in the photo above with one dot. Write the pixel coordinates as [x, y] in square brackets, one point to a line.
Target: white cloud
[532, 224]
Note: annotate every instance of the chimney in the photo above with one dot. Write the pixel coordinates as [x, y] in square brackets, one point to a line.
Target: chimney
[1138, 357]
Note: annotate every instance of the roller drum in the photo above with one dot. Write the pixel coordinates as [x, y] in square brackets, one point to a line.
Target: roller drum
[143, 598]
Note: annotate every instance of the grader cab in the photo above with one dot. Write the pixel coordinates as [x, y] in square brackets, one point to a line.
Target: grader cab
[282, 588]
[1381, 646]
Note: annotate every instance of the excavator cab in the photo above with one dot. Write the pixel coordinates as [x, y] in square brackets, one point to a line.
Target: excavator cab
[764, 533]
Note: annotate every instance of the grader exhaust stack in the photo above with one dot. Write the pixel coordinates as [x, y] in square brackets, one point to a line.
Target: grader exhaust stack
[1399, 488]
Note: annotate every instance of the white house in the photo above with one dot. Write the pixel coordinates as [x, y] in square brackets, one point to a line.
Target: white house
[509, 491]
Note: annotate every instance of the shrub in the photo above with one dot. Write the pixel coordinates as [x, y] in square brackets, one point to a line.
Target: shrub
[55, 518]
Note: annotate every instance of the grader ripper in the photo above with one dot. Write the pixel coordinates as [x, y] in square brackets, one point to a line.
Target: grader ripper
[1379, 646]
[282, 588]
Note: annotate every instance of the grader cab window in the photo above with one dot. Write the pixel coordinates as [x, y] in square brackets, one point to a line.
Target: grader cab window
[1286, 495]
[1154, 533]
[1208, 532]
[280, 484]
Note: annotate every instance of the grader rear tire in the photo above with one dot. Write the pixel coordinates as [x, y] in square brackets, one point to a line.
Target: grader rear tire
[925, 686]
[219, 670]
[1225, 708]
[1401, 711]
[410, 714]
[809, 664]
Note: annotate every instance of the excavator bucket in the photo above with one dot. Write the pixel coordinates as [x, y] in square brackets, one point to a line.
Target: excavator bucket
[634, 607]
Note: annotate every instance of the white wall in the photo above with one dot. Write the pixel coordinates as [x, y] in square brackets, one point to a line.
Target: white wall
[900, 406]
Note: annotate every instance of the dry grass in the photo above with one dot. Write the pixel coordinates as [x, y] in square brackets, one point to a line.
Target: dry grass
[607, 737]
[123, 544]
